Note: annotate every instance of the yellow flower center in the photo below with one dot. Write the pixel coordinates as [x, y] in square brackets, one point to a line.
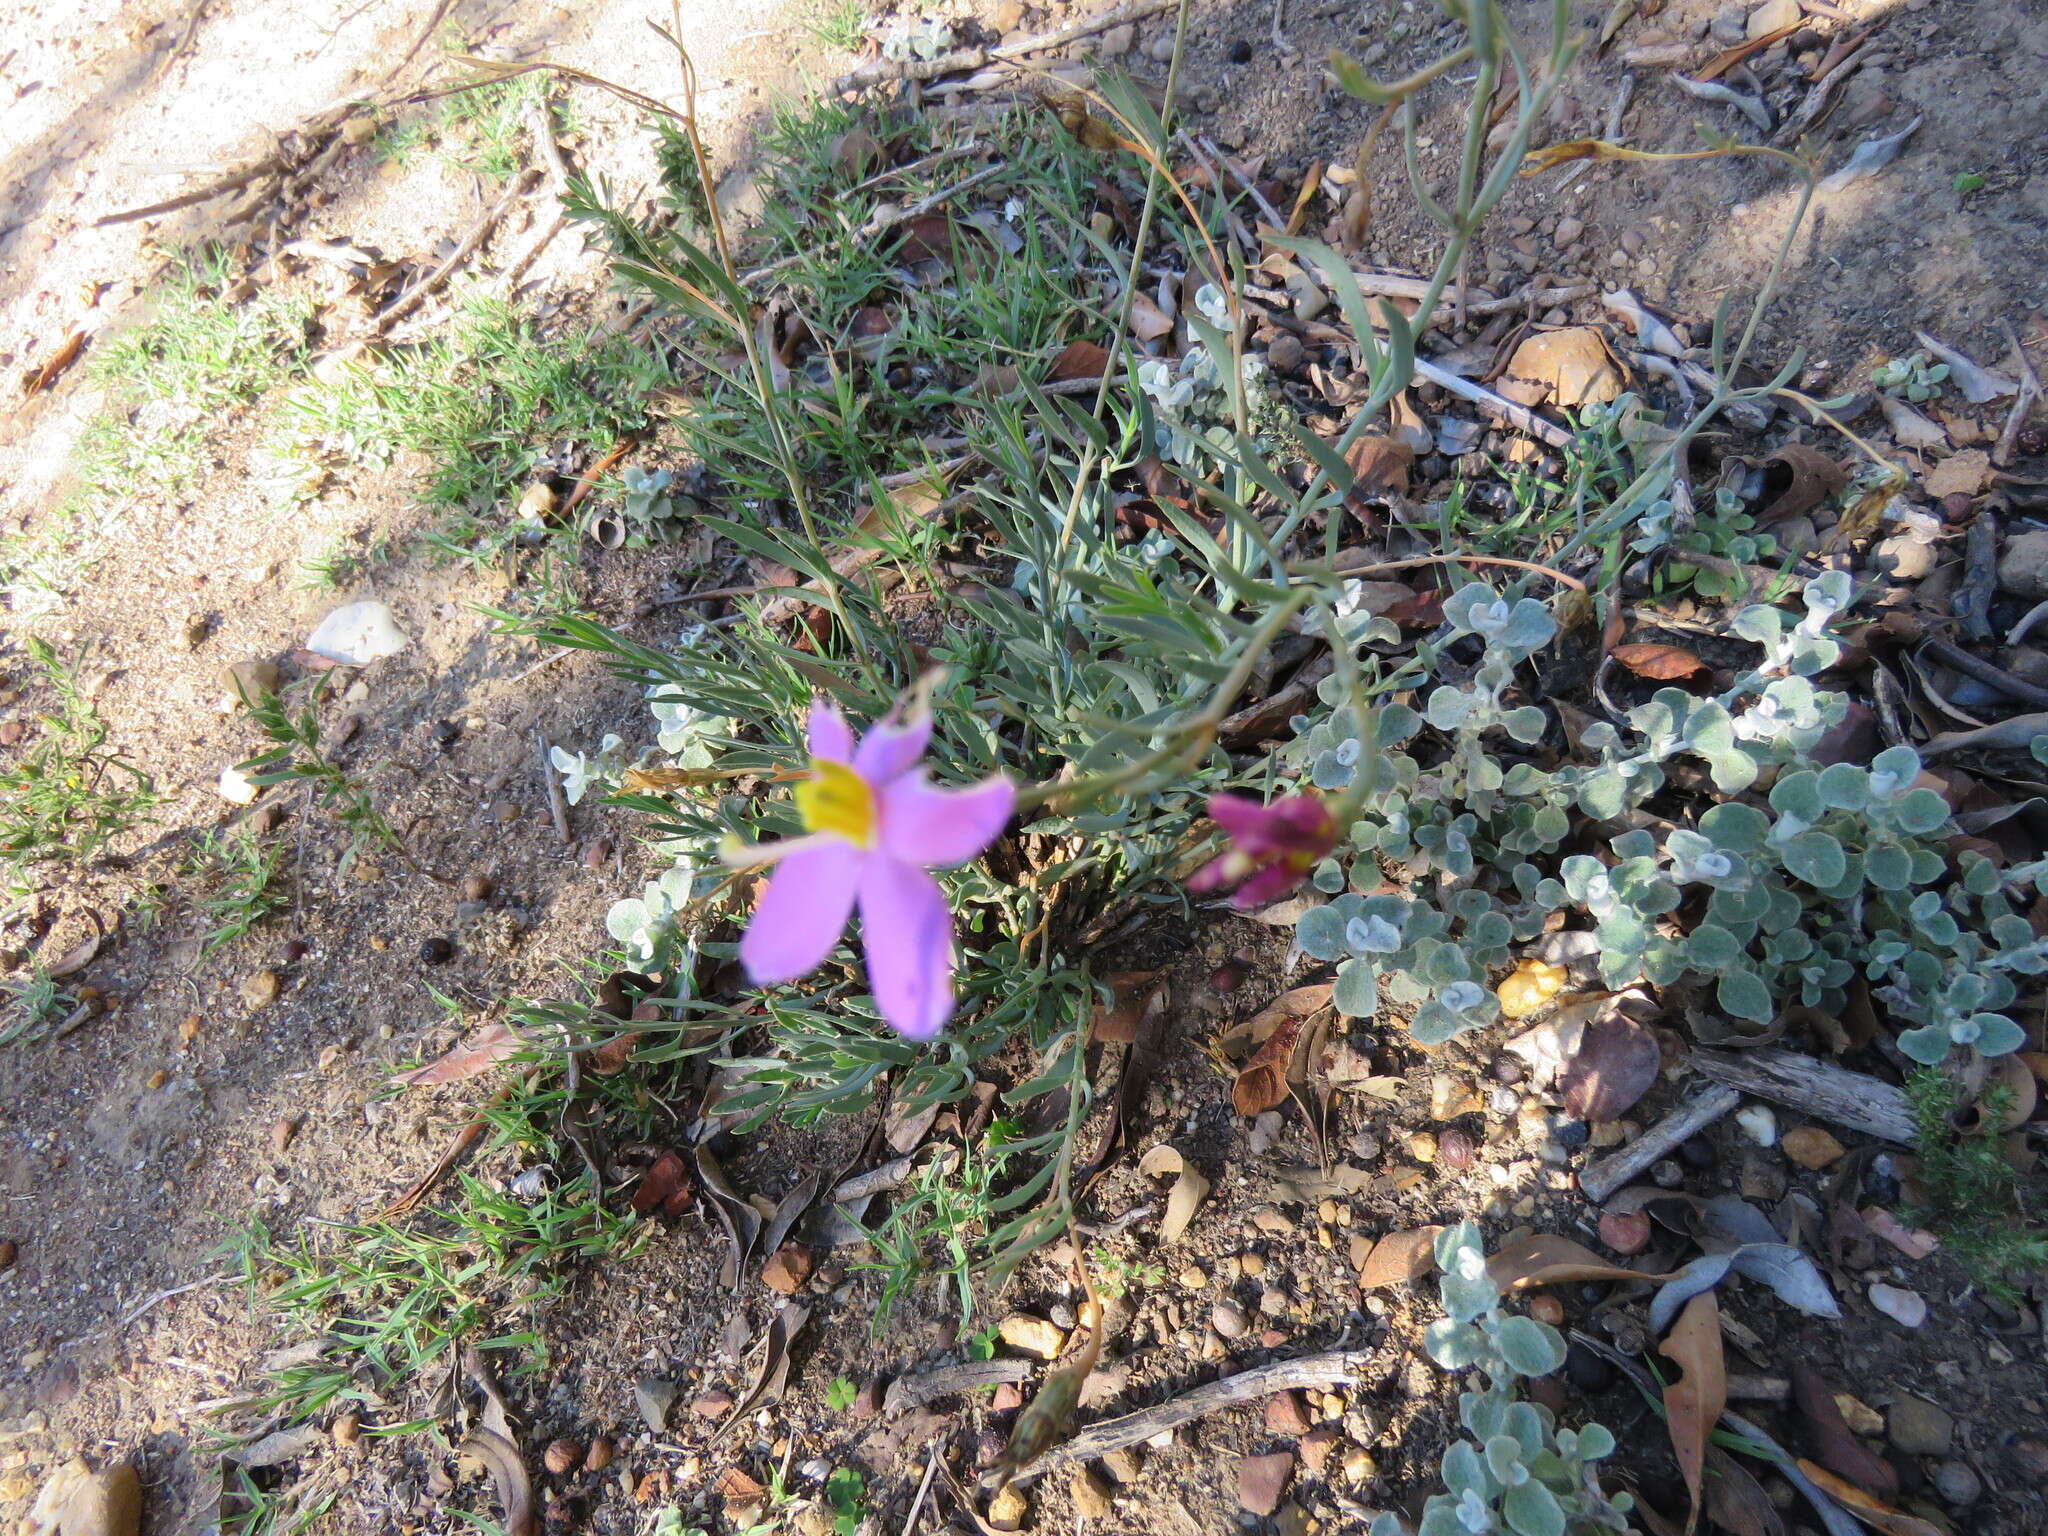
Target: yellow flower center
[837, 800]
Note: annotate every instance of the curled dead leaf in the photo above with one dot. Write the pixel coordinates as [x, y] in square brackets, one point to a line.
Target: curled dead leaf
[1693, 1402]
[498, 1456]
[1380, 467]
[495, 1044]
[1875, 1513]
[1398, 1258]
[1663, 663]
[1616, 1064]
[1796, 480]
[1262, 1081]
[1567, 367]
[929, 237]
[1182, 1201]
[1079, 360]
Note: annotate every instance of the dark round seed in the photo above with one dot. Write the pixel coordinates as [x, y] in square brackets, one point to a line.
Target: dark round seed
[293, 952]
[1454, 1149]
[1697, 1153]
[1573, 1133]
[1666, 1174]
[446, 734]
[1228, 976]
[1956, 506]
[1508, 1070]
[436, 951]
[2033, 441]
[1586, 1370]
[1240, 52]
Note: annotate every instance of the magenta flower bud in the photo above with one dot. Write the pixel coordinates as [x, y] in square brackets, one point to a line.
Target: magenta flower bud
[1272, 847]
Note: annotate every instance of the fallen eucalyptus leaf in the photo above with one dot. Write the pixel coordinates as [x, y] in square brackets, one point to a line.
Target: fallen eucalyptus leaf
[1871, 155]
[1694, 1400]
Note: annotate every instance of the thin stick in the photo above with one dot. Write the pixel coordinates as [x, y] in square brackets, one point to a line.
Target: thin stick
[1518, 416]
[1402, 565]
[1952, 655]
[1336, 1369]
[558, 806]
[409, 300]
[1603, 1178]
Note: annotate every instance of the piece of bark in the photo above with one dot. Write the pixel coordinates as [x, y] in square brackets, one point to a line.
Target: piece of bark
[1817, 1088]
[1250, 1386]
[884, 70]
[1972, 600]
[1600, 1180]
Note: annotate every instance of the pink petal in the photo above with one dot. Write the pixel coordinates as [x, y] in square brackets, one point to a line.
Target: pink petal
[892, 747]
[1269, 884]
[1248, 824]
[802, 913]
[933, 827]
[831, 737]
[908, 935]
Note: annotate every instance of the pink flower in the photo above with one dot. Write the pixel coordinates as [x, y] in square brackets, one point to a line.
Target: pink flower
[873, 826]
[1272, 847]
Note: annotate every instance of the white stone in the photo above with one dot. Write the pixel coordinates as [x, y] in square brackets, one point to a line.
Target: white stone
[235, 787]
[1758, 1124]
[1906, 1308]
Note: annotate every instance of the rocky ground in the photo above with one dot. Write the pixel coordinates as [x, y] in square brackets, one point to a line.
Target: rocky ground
[253, 1084]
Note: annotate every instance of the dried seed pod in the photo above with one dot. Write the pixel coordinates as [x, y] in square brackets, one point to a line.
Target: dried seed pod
[1454, 1149]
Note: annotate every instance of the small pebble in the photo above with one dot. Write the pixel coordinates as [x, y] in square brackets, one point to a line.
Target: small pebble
[1193, 1278]
[600, 1455]
[1422, 1146]
[1625, 1232]
[1229, 1319]
[1956, 1485]
[1666, 1174]
[1573, 1133]
[347, 1430]
[1758, 1124]
[1906, 1308]
[1252, 1265]
[1285, 353]
[1813, 1148]
[1546, 1308]
[1587, 1371]
[1697, 1153]
[477, 887]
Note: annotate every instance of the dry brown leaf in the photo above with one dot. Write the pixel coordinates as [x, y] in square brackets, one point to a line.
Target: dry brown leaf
[1962, 473]
[1875, 1513]
[1399, 1257]
[1796, 480]
[1721, 63]
[1079, 360]
[1134, 996]
[40, 378]
[487, 1050]
[498, 1456]
[1262, 1081]
[929, 237]
[665, 1186]
[1616, 1064]
[1693, 1402]
[1833, 1441]
[1546, 1259]
[1568, 367]
[1664, 663]
[1379, 467]
[1148, 321]
[856, 151]
[1736, 1500]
